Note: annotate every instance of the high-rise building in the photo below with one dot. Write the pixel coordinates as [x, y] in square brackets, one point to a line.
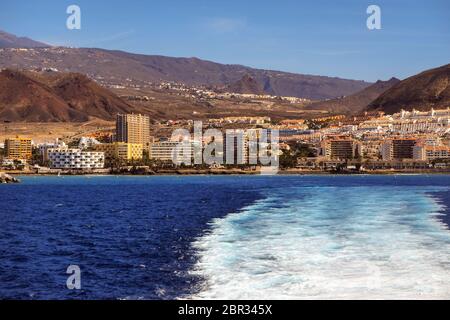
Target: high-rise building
[235, 147]
[340, 148]
[18, 148]
[133, 128]
[398, 149]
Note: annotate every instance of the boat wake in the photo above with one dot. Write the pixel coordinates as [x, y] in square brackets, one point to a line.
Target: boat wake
[360, 242]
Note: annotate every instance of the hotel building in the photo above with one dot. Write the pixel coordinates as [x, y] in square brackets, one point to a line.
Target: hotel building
[340, 148]
[120, 150]
[371, 148]
[133, 128]
[45, 147]
[236, 147]
[18, 148]
[75, 159]
[429, 153]
[174, 151]
[398, 149]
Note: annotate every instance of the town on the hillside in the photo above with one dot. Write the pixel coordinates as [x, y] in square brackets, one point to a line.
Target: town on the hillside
[409, 141]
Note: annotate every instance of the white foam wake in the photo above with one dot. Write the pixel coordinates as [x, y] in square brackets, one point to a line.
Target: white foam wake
[329, 243]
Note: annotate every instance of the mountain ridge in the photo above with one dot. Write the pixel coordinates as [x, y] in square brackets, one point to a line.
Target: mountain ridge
[423, 91]
[119, 66]
[8, 40]
[356, 102]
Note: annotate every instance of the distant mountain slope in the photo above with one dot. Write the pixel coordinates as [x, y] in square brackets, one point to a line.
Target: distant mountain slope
[86, 96]
[429, 89]
[8, 40]
[119, 66]
[22, 98]
[65, 97]
[245, 85]
[356, 102]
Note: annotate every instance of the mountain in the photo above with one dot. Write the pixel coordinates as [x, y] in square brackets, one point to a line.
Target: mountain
[86, 96]
[119, 67]
[25, 96]
[429, 89]
[8, 40]
[246, 85]
[356, 102]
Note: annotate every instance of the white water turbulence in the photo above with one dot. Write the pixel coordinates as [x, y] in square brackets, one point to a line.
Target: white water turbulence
[329, 243]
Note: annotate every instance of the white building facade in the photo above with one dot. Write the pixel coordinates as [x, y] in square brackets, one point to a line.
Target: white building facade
[75, 159]
[429, 153]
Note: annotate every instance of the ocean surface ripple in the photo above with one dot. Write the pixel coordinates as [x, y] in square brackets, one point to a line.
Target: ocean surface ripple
[227, 237]
[335, 241]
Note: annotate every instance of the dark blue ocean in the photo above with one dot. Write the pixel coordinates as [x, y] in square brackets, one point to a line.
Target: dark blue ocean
[240, 237]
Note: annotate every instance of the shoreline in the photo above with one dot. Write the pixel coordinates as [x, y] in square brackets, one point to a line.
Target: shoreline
[233, 173]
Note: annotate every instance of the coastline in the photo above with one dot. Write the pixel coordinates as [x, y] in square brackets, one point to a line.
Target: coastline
[215, 172]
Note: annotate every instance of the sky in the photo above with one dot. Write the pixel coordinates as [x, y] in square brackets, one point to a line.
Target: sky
[321, 37]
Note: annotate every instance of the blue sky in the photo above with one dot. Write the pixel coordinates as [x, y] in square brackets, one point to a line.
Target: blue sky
[313, 37]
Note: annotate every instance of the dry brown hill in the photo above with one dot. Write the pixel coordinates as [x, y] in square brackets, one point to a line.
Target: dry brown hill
[246, 85]
[50, 98]
[357, 102]
[429, 89]
[86, 96]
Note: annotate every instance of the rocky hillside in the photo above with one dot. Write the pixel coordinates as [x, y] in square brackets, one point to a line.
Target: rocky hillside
[356, 102]
[40, 97]
[246, 85]
[429, 89]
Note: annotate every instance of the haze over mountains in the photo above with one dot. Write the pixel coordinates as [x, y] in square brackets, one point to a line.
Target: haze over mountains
[120, 66]
[356, 102]
[8, 40]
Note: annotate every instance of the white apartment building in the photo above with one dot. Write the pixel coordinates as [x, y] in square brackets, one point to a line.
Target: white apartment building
[415, 114]
[45, 147]
[75, 159]
[174, 151]
[162, 150]
[409, 122]
[428, 153]
[236, 145]
[421, 125]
